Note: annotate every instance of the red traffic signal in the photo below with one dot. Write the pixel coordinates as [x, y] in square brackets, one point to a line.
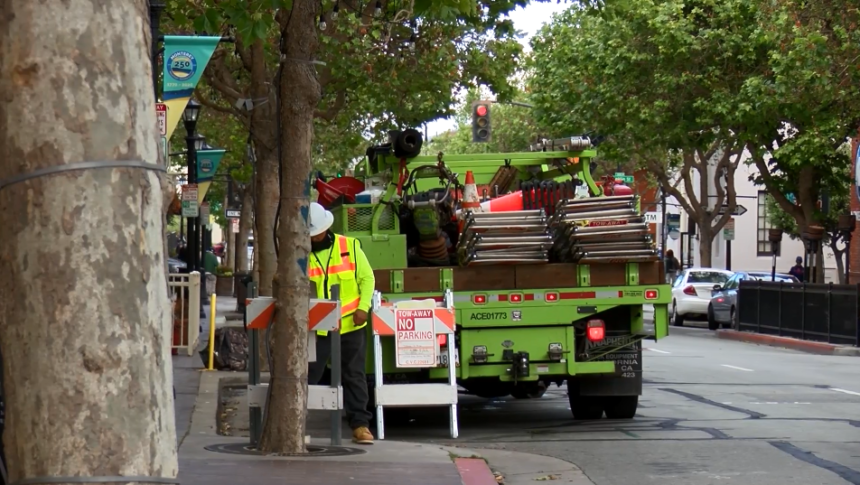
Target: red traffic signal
[481, 129]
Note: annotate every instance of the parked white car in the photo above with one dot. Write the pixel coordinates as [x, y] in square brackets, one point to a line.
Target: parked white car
[691, 292]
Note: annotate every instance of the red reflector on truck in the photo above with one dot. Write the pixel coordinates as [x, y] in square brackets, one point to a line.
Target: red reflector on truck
[651, 294]
[479, 299]
[551, 296]
[596, 330]
[516, 298]
[441, 339]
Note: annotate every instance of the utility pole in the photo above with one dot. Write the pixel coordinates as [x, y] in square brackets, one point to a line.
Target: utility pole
[156, 7]
[663, 227]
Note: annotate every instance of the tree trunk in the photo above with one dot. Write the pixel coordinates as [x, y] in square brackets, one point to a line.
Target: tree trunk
[246, 222]
[299, 95]
[706, 244]
[838, 255]
[266, 199]
[86, 329]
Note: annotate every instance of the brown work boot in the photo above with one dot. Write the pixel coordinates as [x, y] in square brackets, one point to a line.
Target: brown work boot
[362, 436]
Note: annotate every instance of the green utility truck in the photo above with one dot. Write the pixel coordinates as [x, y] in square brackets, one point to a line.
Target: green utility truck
[550, 293]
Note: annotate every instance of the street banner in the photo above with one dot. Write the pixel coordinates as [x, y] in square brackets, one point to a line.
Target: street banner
[207, 166]
[185, 58]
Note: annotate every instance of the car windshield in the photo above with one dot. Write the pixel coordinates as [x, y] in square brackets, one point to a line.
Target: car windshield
[713, 277]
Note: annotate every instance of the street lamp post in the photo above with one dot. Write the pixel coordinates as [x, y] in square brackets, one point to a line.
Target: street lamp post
[189, 118]
[775, 236]
[812, 236]
[155, 9]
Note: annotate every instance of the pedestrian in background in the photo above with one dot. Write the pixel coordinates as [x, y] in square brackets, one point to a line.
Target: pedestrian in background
[797, 270]
[671, 265]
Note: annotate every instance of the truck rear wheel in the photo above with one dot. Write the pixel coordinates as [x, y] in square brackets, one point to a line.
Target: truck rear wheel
[585, 408]
[621, 407]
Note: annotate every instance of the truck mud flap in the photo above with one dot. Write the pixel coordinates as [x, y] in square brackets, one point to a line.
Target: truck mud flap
[628, 363]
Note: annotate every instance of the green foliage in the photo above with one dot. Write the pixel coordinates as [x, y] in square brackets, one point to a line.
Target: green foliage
[371, 80]
[649, 75]
[513, 130]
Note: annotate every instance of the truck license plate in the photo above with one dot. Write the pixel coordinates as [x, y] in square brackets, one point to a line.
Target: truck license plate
[442, 358]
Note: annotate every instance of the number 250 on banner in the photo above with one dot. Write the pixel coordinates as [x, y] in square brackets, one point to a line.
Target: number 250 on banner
[415, 339]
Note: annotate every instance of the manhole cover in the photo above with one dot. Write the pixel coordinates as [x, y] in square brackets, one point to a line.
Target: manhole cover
[313, 450]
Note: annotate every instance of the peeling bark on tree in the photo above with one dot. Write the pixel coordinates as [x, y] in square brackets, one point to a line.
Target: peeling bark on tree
[284, 429]
[84, 313]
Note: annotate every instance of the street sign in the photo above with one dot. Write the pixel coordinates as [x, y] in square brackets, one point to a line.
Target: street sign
[415, 338]
[627, 179]
[204, 212]
[729, 230]
[673, 224]
[653, 217]
[189, 201]
[739, 210]
[233, 213]
[161, 115]
[234, 225]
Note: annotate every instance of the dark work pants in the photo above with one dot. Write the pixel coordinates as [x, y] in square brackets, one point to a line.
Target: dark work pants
[353, 346]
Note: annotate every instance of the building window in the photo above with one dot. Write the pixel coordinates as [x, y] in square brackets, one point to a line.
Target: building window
[762, 226]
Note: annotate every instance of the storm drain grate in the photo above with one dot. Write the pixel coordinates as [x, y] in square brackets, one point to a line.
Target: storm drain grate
[313, 450]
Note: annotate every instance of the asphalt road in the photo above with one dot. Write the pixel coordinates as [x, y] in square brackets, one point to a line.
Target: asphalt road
[713, 412]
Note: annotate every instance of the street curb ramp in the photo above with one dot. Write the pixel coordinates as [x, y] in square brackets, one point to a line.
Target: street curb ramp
[807, 346]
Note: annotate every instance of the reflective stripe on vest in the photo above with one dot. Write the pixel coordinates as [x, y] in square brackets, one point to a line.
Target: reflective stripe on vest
[343, 266]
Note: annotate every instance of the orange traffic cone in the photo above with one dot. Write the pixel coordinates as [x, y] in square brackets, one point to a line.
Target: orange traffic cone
[505, 203]
[471, 201]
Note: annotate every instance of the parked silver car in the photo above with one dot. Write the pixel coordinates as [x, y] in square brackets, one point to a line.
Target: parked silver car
[722, 311]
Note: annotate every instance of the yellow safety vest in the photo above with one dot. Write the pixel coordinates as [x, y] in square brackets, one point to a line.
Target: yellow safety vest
[338, 269]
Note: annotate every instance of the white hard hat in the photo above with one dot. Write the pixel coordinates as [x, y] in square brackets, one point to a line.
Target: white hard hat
[319, 219]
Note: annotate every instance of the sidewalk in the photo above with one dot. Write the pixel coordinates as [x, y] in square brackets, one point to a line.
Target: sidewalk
[789, 343]
[384, 463]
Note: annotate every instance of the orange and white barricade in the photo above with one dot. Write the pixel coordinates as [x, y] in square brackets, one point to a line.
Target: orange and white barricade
[323, 315]
[415, 326]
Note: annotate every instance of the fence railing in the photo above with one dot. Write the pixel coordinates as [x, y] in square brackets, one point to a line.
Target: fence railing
[184, 295]
[817, 312]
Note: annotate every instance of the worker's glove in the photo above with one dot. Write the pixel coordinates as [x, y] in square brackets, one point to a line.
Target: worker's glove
[359, 317]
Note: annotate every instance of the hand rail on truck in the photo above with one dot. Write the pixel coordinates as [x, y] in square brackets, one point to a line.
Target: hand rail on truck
[324, 315]
[386, 318]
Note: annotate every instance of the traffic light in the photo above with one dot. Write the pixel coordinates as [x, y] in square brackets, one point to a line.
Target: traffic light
[481, 127]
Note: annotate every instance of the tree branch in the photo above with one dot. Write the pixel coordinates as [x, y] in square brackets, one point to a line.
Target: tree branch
[333, 109]
[770, 184]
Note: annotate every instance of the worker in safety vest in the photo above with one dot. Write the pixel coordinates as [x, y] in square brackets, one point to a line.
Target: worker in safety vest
[339, 260]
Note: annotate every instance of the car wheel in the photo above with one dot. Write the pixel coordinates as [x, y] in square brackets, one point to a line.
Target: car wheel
[733, 319]
[713, 324]
[677, 319]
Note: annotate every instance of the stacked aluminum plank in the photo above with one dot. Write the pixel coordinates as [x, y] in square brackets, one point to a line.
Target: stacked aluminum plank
[515, 237]
[602, 229]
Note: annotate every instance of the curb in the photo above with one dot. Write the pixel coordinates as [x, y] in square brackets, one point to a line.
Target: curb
[818, 348]
[503, 467]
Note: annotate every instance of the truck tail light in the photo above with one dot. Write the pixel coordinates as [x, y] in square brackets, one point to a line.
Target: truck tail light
[479, 299]
[516, 297]
[651, 294]
[596, 330]
[690, 291]
[551, 296]
[442, 340]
